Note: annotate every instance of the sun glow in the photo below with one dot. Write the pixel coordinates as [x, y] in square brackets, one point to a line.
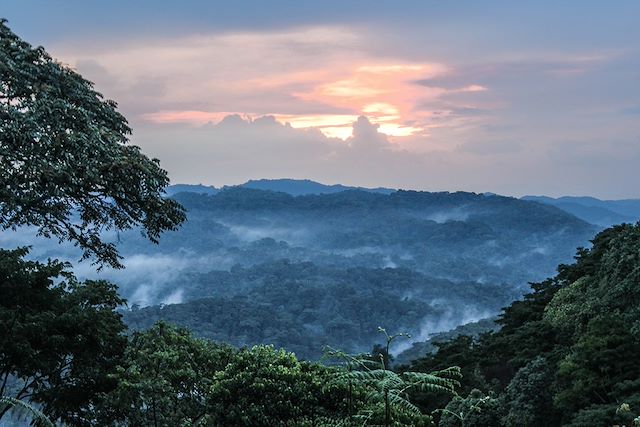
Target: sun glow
[387, 94]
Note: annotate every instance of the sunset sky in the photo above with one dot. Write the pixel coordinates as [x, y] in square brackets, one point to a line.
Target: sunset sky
[500, 96]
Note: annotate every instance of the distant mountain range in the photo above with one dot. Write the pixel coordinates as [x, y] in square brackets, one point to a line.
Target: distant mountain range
[294, 187]
[172, 190]
[301, 265]
[305, 187]
[298, 270]
[602, 213]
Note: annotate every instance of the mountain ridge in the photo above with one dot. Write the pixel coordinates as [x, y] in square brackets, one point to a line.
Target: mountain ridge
[602, 213]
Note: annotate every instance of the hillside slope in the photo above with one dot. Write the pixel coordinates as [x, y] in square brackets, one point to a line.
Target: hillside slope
[604, 213]
[255, 266]
[568, 353]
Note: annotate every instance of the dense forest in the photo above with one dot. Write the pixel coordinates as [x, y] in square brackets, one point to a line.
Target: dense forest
[454, 236]
[306, 271]
[564, 355]
[567, 354]
[252, 266]
[303, 307]
[603, 213]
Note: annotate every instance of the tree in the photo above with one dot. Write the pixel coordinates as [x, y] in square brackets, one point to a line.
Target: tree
[67, 170]
[475, 410]
[65, 165]
[60, 339]
[263, 386]
[528, 397]
[164, 379]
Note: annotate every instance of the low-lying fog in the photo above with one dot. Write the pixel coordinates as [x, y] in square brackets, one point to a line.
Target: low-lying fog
[213, 254]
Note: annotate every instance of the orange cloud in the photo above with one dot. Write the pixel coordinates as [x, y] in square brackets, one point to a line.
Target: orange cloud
[318, 77]
[383, 92]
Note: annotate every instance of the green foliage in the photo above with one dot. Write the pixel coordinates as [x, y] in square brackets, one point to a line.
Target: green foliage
[65, 167]
[164, 379]
[389, 390]
[567, 354]
[475, 410]
[305, 306]
[608, 283]
[499, 357]
[38, 419]
[263, 386]
[59, 338]
[170, 378]
[470, 331]
[457, 352]
[528, 396]
[604, 356]
[66, 171]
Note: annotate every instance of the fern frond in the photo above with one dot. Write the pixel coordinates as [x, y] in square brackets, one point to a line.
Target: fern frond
[39, 419]
[419, 380]
[453, 372]
[372, 375]
[404, 404]
[392, 382]
[361, 419]
[434, 388]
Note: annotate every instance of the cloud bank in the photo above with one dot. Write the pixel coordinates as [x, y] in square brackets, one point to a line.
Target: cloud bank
[472, 98]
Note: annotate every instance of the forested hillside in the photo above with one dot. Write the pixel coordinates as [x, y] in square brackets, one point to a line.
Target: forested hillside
[604, 213]
[565, 355]
[252, 266]
[303, 307]
[260, 308]
[456, 236]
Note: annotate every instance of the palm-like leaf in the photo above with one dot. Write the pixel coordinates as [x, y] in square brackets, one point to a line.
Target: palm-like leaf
[452, 372]
[385, 385]
[445, 381]
[373, 375]
[403, 403]
[39, 419]
[391, 388]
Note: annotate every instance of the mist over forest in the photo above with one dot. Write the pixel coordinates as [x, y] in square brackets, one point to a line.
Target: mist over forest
[312, 265]
[456, 244]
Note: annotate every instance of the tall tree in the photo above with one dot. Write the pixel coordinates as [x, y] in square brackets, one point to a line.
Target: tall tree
[164, 379]
[262, 386]
[60, 340]
[67, 170]
[65, 163]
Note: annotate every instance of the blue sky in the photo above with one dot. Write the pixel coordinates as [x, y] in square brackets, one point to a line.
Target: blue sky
[517, 98]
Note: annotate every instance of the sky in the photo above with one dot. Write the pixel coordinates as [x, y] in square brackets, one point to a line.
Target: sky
[528, 97]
